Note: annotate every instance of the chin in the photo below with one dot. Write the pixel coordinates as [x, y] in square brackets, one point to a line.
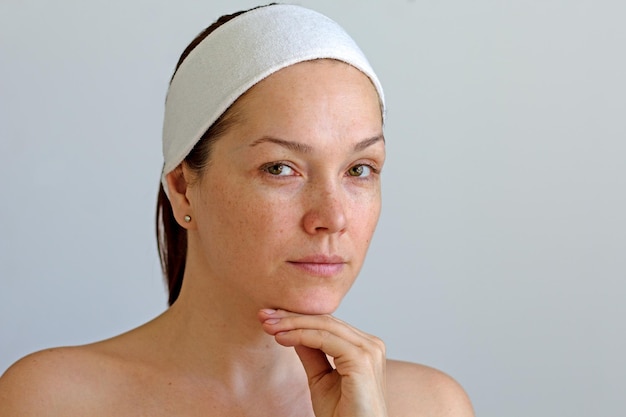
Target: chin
[314, 310]
[313, 305]
[310, 299]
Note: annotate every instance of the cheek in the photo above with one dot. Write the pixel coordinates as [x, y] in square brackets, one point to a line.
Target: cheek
[252, 215]
[365, 209]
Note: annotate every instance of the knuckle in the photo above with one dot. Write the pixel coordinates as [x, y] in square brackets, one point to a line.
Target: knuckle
[378, 346]
[380, 343]
[328, 320]
[321, 333]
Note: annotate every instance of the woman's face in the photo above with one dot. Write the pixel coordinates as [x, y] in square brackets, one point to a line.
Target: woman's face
[285, 211]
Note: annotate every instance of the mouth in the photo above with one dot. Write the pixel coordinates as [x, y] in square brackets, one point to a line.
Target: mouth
[320, 265]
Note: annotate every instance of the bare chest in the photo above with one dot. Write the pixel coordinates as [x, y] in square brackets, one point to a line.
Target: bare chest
[185, 400]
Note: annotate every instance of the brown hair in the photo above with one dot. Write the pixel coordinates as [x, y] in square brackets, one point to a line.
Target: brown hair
[171, 237]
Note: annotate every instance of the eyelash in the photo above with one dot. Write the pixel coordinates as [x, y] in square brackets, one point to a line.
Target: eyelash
[373, 170]
[266, 169]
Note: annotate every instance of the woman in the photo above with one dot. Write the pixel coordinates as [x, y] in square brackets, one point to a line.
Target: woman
[270, 194]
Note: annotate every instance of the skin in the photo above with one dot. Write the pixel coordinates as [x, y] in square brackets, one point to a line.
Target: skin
[281, 222]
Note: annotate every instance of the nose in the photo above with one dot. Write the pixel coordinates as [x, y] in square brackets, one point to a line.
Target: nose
[326, 211]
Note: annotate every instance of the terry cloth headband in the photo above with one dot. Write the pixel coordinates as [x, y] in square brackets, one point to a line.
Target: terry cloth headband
[239, 54]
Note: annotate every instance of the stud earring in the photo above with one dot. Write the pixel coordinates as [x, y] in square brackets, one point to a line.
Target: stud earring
[187, 218]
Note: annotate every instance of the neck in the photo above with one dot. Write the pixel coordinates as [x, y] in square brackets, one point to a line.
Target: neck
[211, 332]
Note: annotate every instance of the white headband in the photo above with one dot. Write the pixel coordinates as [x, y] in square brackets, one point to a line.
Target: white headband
[239, 54]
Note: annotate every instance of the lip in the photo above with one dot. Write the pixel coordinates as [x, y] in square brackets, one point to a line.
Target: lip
[320, 259]
[320, 265]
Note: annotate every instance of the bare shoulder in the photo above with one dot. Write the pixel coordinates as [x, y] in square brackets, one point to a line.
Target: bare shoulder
[418, 390]
[55, 382]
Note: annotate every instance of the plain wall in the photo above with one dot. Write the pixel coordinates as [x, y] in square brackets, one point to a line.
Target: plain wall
[500, 256]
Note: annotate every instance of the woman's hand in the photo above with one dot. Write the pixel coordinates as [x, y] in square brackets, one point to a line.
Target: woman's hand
[355, 387]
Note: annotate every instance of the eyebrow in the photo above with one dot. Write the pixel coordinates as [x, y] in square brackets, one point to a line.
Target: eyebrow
[304, 148]
[369, 142]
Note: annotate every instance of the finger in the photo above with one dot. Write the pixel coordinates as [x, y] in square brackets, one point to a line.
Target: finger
[266, 313]
[348, 357]
[337, 339]
[281, 321]
[314, 361]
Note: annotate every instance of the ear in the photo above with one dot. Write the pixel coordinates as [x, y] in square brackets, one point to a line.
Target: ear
[178, 185]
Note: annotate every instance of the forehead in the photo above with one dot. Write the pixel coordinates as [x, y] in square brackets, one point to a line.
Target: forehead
[328, 89]
[298, 76]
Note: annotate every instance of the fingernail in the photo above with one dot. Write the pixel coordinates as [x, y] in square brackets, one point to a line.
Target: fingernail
[271, 321]
[268, 311]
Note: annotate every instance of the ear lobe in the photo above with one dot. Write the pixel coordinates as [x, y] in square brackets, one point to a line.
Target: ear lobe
[178, 186]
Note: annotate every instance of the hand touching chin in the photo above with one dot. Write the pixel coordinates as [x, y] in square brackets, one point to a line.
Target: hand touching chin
[355, 386]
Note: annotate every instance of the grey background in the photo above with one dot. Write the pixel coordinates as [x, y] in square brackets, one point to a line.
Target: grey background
[500, 254]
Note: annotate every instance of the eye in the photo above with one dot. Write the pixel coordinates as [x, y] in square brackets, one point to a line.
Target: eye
[278, 169]
[360, 170]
